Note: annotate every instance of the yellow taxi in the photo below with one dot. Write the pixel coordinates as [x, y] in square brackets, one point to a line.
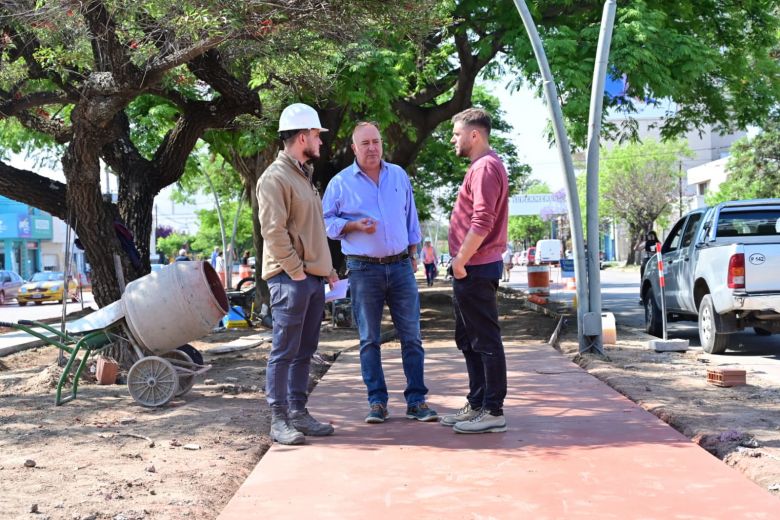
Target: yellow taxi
[47, 286]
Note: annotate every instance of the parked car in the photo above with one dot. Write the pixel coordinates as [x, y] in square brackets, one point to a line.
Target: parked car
[720, 267]
[47, 286]
[530, 255]
[10, 283]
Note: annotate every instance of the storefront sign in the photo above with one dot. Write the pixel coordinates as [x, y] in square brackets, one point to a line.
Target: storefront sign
[23, 225]
[544, 205]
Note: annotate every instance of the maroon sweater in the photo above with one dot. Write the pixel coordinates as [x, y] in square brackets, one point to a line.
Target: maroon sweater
[482, 207]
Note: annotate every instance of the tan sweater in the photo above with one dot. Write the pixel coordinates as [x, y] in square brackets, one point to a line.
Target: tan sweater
[290, 214]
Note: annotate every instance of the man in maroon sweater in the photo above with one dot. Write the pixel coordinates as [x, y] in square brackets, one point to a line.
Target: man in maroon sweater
[478, 232]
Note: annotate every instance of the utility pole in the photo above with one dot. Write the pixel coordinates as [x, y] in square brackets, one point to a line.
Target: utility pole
[679, 182]
[564, 154]
[593, 319]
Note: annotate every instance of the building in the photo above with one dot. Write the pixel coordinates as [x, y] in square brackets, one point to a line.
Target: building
[23, 230]
[709, 148]
[706, 178]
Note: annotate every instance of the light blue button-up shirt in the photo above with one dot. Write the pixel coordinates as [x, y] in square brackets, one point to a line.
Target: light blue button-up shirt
[352, 195]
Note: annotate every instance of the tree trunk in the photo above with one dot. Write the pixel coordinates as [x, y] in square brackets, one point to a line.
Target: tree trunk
[250, 169]
[91, 216]
[634, 253]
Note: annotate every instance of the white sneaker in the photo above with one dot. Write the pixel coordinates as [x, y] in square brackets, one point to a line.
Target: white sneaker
[483, 422]
[464, 414]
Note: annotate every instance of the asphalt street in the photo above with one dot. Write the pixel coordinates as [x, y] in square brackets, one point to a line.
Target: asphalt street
[620, 296]
[11, 311]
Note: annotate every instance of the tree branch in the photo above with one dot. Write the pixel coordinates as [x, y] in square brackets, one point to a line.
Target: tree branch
[51, 127]
[13, 105]
[35, 190]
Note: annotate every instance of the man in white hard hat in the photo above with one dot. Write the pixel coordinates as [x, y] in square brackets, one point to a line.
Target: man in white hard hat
[369, 206]
[296, 261]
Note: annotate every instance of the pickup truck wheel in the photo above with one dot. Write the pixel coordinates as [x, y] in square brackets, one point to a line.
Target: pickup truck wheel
[653, 322]
[711, 341]
[762, 332]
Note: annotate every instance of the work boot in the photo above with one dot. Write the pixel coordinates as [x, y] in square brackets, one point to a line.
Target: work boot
[308, 425]
[282, 430]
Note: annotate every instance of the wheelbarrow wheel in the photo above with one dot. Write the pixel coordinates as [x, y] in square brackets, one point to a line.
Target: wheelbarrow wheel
[152, 381]
[186, 381]
[194, 353]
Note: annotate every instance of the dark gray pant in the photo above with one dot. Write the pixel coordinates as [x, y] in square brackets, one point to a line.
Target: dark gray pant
[296, 308]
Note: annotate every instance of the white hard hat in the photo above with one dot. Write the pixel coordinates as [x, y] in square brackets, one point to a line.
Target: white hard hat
[299, 116]
[427, 239]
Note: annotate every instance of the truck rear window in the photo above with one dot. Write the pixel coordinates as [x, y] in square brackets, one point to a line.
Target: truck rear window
[748, 223]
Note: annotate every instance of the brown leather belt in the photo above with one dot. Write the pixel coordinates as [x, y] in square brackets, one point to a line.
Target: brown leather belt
[382, 260]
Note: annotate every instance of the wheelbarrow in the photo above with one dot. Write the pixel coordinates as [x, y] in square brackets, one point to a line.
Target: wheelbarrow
[155, 318]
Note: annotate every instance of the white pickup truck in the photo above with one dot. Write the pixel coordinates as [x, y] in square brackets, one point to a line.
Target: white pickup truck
[722, 269]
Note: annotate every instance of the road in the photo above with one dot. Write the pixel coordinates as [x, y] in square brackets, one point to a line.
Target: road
[12, 312]
[620, 296]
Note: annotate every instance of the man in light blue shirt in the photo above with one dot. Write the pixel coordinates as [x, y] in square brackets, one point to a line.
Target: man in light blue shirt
[369, 206]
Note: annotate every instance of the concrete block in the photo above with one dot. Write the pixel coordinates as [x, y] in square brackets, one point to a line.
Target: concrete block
[669, 345]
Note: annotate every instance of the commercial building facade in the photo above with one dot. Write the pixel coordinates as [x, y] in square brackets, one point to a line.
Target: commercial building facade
[23, 230]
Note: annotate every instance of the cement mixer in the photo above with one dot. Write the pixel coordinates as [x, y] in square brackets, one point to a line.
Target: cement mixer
[157, 314]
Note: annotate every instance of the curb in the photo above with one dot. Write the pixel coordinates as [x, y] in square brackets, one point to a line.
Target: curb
[13, 349]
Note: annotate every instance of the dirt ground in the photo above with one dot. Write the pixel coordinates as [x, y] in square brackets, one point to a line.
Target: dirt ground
[103, 456]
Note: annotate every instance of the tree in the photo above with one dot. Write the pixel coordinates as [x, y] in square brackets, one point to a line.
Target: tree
[638, 183]
[753, 169]
[71, 73]
[172, 244]
[437, 172]
[70, 77]
[528, 229]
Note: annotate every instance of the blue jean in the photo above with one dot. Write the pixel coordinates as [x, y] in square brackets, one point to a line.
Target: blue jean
[371, 285]
[430, 273]
[478, 336]
[297, 309]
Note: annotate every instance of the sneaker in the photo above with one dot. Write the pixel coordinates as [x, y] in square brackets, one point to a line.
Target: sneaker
[483, 422]
[464, 414]
[377, 414]
[308, 425]
[421, 412]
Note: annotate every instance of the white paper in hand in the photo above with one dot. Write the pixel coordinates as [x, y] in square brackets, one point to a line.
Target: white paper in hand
[338, 292]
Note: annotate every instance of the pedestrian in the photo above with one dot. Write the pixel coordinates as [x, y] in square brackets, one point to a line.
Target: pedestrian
[220, 268]
[506, 257]
[429, 261]
[245, 271]
[651, 239]
[182, 256]
[477, 238]
[296, 261]
[214, 255]
[369, 206]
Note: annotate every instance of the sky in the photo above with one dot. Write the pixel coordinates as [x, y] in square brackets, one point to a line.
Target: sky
[529, 117]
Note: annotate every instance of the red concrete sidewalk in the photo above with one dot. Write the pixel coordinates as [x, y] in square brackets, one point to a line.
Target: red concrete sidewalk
[575, 449]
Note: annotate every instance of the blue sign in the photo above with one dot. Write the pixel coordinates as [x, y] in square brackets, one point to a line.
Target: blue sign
[25, 226]
[567, 268]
